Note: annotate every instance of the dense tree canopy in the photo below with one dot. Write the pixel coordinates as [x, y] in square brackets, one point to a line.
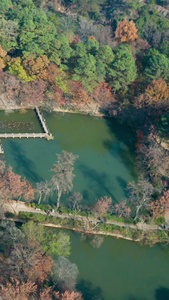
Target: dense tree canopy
[122, 71]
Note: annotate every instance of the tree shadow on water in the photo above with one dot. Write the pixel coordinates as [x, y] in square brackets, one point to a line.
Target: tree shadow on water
[99, 179]
[88, 291]
[23, 163]
[162, 293]
[122, 144]
[123, 184]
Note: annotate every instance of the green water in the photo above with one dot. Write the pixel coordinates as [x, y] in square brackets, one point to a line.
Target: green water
[19, 122]
[121, 270]
[118, 270]
[105, 148]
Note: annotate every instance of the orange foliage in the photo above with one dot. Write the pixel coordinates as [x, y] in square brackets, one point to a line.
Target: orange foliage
[42, 266]
[103, 94]
[92, 38]
[79, 94]
[160, 206]
[3, 53]
[36, 66]
[12, 186]
[14, 290]
[102, 206]
[122, 210]
[126, 31]
[70, 296]
[2, 63]
[157, 91]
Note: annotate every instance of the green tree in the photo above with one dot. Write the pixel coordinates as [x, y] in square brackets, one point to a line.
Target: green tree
[52, 243]
[85, 71]
[8, 33]
[80, 50]
[157, 65]
[60, 50]
[105, 55]
[36, 32]
[5, 5]
[17, 69]
[122, 71]
[100, 71]
[92, 46]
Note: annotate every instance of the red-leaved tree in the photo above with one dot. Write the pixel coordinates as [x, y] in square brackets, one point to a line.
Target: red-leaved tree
[102, 206]
[160, 206]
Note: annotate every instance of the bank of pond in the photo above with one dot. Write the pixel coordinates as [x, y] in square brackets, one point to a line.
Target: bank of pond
[119, 269]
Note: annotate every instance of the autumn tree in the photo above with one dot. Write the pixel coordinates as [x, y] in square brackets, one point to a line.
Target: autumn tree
[14, 187]
[122, 210]
[62, 180]
[15, 290]
[2, 60]
[32, 93]
[71, 296]
[15, 67]
[157, 92]
[80, 96]
[159, 207]
[36, 67]
[103, 96]
[26, 262]
[140, 194]
[102, 206]
[126, 31]
[155, 158]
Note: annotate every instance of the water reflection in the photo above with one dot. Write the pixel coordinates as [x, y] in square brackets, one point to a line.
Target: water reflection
[162, 293]
[89, 292]
[24, 165]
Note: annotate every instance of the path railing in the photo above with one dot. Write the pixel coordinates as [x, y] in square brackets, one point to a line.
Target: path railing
[23, 135]
[1, 149]
[42, 120]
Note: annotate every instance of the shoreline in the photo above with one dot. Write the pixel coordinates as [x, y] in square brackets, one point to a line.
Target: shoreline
[86, 225]
[59, 110]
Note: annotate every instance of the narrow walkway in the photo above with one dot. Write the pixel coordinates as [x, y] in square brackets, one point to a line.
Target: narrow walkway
[1, 149]
[42, 120]
[23, 135]
[17, 206]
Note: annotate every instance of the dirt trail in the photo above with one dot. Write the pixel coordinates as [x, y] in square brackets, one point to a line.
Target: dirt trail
[17, 206]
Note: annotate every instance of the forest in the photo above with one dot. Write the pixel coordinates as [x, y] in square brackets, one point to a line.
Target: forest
[101, 57]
